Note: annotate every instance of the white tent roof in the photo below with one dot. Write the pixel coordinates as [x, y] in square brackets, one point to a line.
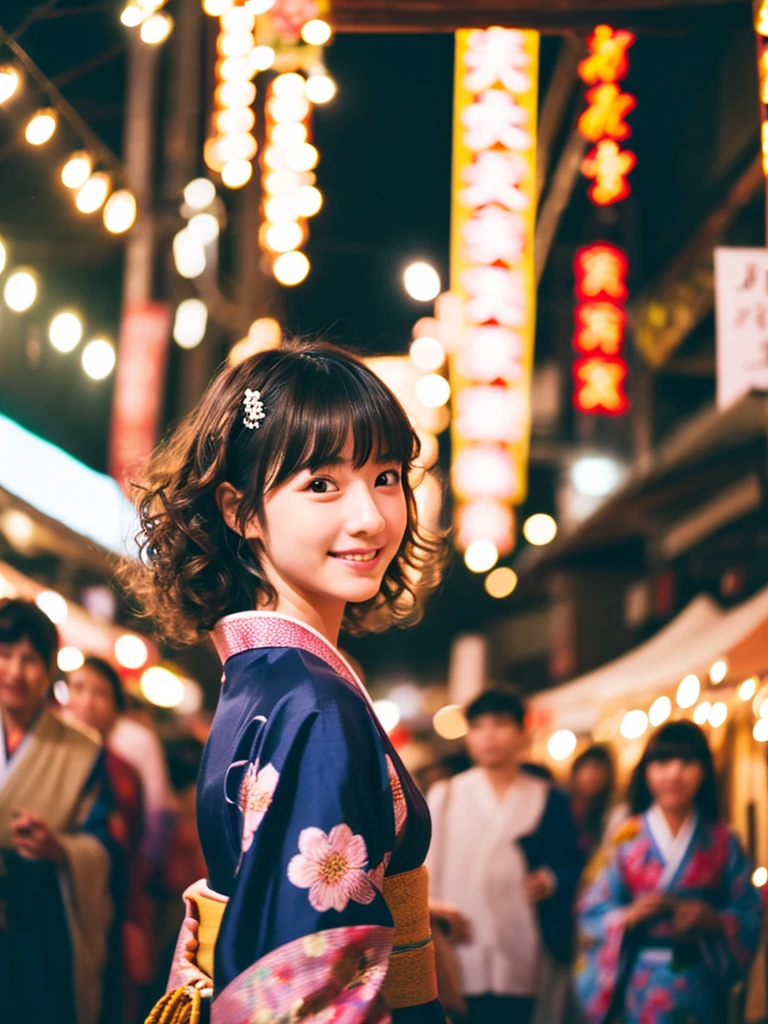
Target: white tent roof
[699, 635]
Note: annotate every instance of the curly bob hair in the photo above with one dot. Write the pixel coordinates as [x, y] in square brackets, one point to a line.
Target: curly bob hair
[193, 569]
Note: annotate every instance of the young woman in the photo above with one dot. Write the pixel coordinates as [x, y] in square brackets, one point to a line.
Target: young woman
[592, 785]
[669, 920]
[96, 698]
[278, 512]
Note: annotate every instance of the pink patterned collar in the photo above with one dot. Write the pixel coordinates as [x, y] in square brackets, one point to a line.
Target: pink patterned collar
[250, 631]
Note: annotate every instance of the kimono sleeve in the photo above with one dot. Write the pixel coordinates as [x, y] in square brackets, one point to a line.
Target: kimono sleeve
[601, 916]
[307, 932]
[741, 918]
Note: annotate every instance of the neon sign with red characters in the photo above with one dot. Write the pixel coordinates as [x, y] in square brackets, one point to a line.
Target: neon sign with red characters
[600, 371]
[600, 374]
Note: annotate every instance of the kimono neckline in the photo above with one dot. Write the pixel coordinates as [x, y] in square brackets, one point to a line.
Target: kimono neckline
[250, 631]
[673, 849]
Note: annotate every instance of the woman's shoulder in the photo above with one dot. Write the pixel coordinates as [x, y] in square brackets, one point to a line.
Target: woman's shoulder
[298, 679]
[625, 831]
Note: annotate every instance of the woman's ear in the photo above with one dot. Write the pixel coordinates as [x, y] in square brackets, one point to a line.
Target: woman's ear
[228, 499]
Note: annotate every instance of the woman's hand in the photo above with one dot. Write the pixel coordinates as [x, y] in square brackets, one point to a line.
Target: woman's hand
[34, 839]
[652, 904]
[695, 916]
[540, 885]
[457, 926]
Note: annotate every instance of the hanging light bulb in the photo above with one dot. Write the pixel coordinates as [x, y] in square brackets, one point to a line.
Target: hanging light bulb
[99, 358]
[132, 16]
[199, 193]
[234, 44]
[433, 390]
[289, 134]
[216, 8]
[20, 290]
[288, 84]
[236, 147]
[261, 58]
[156, 29]
[284, 236]
[41, 127]
[9, 82]
[93, 194]
[481, 555]
[302, 157]
[235, 69]
[3, 255]
[188, 254]
[205, 226]
[120, 212]
[307, 201]
[291, 268]
[66, 331]
[320, 88]
[236, 173]
[190, 323]
[77, 170]
[238, 19]
[288, 108]
[316, 32]
[235, 120]
[235, 94]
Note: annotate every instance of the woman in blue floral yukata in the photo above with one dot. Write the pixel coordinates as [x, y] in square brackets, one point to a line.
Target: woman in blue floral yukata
[669, 920]
[278, 513]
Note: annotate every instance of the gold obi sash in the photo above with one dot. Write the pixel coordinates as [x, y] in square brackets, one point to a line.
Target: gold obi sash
[411, 978]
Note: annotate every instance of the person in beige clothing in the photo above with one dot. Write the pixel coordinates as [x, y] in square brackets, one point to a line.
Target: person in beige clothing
[56, 902]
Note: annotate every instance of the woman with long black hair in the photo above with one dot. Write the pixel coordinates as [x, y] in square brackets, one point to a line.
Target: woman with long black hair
[669, 920]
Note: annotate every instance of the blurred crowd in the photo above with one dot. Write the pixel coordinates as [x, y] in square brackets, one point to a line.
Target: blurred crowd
[550, 904]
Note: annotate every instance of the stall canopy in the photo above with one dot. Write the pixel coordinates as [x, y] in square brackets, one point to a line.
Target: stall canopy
[700, 635]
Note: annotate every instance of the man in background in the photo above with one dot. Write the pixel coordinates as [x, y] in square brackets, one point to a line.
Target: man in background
[56, 903]
[504, 855]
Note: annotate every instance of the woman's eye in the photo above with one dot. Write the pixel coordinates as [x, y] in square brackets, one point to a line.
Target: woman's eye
[389, 479]
[321, 486]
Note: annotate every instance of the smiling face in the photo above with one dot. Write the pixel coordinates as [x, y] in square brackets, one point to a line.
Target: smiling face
[674, 783]
[329, 534]
[24, 679]
[92, 699]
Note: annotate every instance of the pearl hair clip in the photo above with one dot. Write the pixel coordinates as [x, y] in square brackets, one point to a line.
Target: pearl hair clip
[254, 409]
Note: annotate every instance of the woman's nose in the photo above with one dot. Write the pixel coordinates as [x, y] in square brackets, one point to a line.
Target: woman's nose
[364, 515]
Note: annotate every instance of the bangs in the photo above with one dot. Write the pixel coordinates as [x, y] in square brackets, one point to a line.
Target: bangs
[682, 740]
[327, 405]
[672, 751]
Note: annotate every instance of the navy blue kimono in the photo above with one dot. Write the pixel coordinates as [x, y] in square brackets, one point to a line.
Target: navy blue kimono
[303, 807]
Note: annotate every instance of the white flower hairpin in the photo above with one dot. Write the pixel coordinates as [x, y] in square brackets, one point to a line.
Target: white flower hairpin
[253, 409]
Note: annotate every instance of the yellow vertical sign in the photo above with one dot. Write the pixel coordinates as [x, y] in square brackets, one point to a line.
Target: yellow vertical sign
[493, 214]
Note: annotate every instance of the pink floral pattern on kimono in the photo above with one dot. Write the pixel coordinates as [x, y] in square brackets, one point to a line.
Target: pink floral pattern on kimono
[333, 977]
[332, 868]
[398, 798]
[665, 991]
[256, 791]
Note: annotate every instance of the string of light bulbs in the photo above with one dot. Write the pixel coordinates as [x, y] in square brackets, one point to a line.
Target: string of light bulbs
[257, 36]
[90, 173]
[21, 289]
[154, 25]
